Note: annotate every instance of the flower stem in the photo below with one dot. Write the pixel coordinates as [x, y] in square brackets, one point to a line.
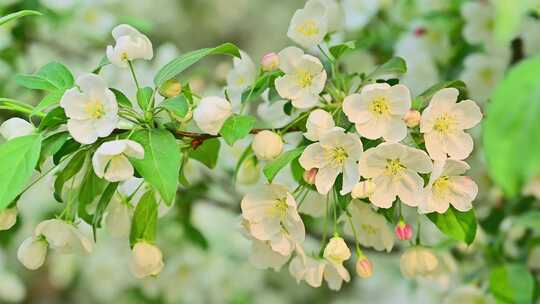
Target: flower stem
[133, 74]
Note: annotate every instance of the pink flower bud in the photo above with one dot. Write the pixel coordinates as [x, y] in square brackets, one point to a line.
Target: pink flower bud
[403, 231]
[270, 62]
[412, 118]
[309, 176]
[364, 267]
[420, 31]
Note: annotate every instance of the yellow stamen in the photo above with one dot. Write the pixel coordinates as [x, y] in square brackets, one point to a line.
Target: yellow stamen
[441, 186]
[95, 109]
[308, 28]
[369, 229]
[444, 123]
[379, 106]
[304, 78]
[339, 155]
[394, 167]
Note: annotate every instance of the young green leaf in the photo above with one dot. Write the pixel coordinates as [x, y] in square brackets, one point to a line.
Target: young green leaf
[73, 167]
[161, 162]
[51, 145]
[19, 158]
[52, 98]
[207, 153]
[512, 283]
[102, 205]
[272, 168]
[103, 62]
[395, 66]
[511, 129]
[460, 226]
[67, 148]
[53, 119]
[121, 98]
[178, 65]
[264, 82]
[236, 127]
[143, 226]
[338, 50]
[176, 105]
[57, 74]
[423, 99]
[17, 15]
[144, 97]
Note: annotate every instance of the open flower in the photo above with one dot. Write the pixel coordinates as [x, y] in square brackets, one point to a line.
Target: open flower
[111, 159]
[92, 110]
[314, 270]
[211, 114]
[309, 25]
[371, 227]
[443, 122]
[262, 256]
[130, 45]
[336, 152]
[318, 123]
[363, 189]
[272, 216]
[418, 261]
[479, 19]
[482, 72]
[15, 127]
[242, 75]
[304, 77]
[378, 111]
[32, 252]
[394, 169]
[8, 218]
[447, 187]
[64, 237]
[146, 260]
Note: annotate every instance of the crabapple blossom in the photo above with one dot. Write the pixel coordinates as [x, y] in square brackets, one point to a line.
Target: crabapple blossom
[272, 216]
[32, 252]
[318, 123]
[364, 267]
[359, 12]
[270, 62]
[267, 145]
[336, 152]
[403, 231]
[263, 257]
[378, 111]
[242, 75]
[371, 227]
[479, 22]
[363, 189]
[130, 45]
[15, 127]
[313, 270]
[211, 114]
[418, 261]
[304, 77]
[110, 161]
[91, 109]
[482, 72]
[146, 260]
[447, 187]
[335, 253]
[394, 169]
[8, 218]
[64, 237]
[443, 122]
[309, 25]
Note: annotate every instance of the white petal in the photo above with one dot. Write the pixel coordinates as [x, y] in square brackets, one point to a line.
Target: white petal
[459, 145]
[469, 114]
[82, 131]
[313, 157]
[15, 127]
[325, 178]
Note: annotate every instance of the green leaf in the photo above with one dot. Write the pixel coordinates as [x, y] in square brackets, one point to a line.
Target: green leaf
[272, 168]
[178, 65]
[207, 153]
[91, 187]
[511, 129]
[512, 284]
[18, 15]
[144, 96]
[52, 77]
[195, 236]
[161, 162]
[176, 105]
[67, 148]
[423, 99]
[247, 152]
[73, 167]
[264, 82]
[143, 226]
[51, 145]
[54, 118]
[35, 82]
[121, 98]
[53, 98]
[103, 62]
[18, 158]
[530, 220]
[338, 50]
[102, 205]
[460, 226]
[395, 66]
[236, 127]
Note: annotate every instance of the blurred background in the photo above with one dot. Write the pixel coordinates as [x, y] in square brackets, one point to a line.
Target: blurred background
[207, 260]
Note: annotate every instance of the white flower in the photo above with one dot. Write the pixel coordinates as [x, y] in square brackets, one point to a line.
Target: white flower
[309, 25]
[130, 45]
[110, 161]
[479, 22]
[8, 218]
[394, 169]
[314, 270]
[32, 252]
[447, 187]
[363, 189]
[359, 12]
[92, 111]
[242, 75]
[118, 218]
[336, 251]
[64, 237]
[318, 123]
[262, 256]
[482, 73]
[267, 145]
[418, 261]
[15, 127]
[304, 78]
[334, 14]
[272, 216]
[211, 114]
[443, 122]
[146, 260]
[336, 152]
[371, 228]
[378, 111]
[335, 274]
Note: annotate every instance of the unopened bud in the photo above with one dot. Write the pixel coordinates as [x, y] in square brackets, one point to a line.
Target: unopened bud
[412, 118]
[270, 62]
[403, 231]
[309, 176]
[364, 267]
[170, 88]
[419, 32]
[267, 145]
[363, 189]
